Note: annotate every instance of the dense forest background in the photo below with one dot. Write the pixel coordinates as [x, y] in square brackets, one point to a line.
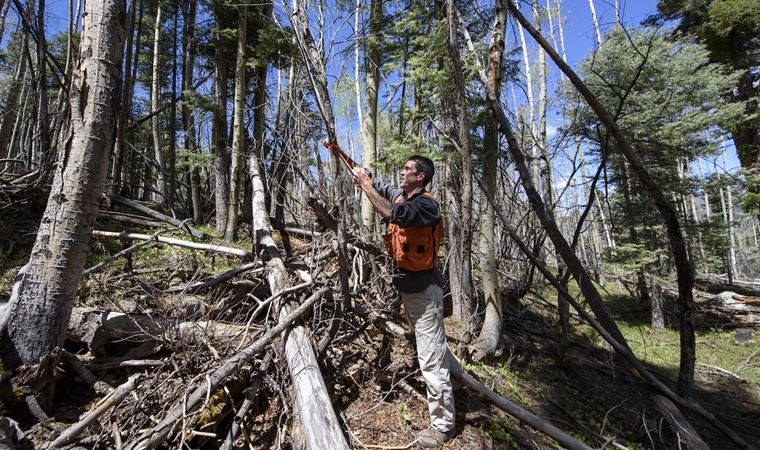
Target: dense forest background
[165, 161]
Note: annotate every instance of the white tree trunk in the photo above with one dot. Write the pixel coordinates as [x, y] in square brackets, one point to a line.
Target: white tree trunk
[596, 23]
[369, 135]
[238, 130]
[39, 316]
[154, 105]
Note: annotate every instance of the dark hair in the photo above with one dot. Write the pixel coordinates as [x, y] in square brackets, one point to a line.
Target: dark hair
[424, 165]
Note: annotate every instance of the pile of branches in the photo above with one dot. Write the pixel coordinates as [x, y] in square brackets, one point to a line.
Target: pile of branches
[146, 343]
[164, 348]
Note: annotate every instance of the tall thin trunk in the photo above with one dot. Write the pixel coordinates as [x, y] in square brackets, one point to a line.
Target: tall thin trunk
[372, 69]
[219, 131]
[11, 112]
[120, 152]
[533, 155]
[490, 332]
[43, 147]
[154, 106]
[357, 70]
[238, 136]
[171, 149]
[3, 14]
[597, 33]
[464, 311]
[729, 217]
[705, 196]
[131, 168]
[39, 316]
[546, 171]
[188, 114]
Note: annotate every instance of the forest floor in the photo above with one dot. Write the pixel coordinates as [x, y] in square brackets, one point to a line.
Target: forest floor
[372, 377]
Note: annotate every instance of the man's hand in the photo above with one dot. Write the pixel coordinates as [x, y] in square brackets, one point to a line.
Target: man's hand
[361, 178]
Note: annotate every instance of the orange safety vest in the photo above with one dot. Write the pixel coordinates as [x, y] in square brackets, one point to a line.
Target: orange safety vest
[414, 248]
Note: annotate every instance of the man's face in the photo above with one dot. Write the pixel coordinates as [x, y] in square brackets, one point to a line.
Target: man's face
[410, 176]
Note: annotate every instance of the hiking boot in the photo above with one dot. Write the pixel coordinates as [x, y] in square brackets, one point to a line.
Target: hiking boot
[432, 438]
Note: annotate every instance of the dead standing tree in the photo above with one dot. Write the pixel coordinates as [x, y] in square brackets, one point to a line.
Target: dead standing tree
[40, 313]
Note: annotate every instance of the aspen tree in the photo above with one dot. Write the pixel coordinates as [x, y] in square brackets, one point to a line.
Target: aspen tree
[39, 315]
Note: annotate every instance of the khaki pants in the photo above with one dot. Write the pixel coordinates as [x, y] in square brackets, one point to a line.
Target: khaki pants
[425, 313]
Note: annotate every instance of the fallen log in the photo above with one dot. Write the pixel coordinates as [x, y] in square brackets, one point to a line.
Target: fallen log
[182, 225]
[114, 216]
[156, 435]
[717, 284]
[178, 242]
[321, 429]
[96, 328]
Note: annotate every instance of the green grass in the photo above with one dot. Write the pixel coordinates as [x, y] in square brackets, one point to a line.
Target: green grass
[715, 347]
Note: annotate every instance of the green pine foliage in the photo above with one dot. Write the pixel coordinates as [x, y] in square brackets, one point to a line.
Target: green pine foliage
[670, 101]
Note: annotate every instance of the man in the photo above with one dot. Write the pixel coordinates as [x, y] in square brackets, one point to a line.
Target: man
[414, 235]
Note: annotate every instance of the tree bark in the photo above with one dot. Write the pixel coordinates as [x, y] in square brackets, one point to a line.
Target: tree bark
[238, 134]
[42, 144]
[120, 148]
[154, 109]
[39, 317]
[463, 306]
[369, 134]
[490, 332]
[219, 129]
[188, 114]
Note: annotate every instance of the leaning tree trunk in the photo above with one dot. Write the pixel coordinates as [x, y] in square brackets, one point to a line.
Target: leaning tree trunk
[40, 314]
[491, 329]
[684, 268]
[43, 150]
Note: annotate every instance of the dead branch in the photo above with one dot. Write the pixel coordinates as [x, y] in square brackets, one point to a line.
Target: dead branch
[101, 387]
[182, 225]
[229, 367]
[198, 286]
[102, 407]
[679, 424]
[717, 284]
[127, 251]
[521, 414]
[248, 402]
[178, 242]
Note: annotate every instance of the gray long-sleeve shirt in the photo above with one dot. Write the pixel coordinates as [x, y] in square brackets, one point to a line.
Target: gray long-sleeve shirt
[415, 210]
